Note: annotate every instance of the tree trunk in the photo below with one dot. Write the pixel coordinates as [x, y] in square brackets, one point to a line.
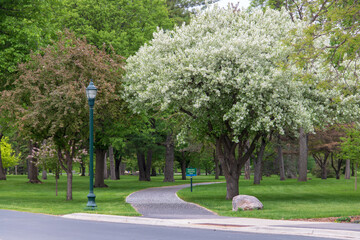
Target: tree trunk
[303, 155]
[144, 173]
[347, 169]
[153, 172]
[66, 164]
[169, 159]
[69, 180]
[56, 185]
[226, 155]
[281, 160]
[2, 171]
[337, 168]
[33, 170]
[183, 166]
[105, 166]
[217, 169]
[323, 172]
[198, 171]
[28, 167]
[247, 171]
[322, 163]
[122, 168]
[290, 166]
[117, 167]
[356, 167]
[352, 170]
[83, 168]
[99, 168]
[232, 186]
[258, 162]
[44, 175]
[148, 164]
[57, 176]
[183, 170]
[225, 151]
[112, 165]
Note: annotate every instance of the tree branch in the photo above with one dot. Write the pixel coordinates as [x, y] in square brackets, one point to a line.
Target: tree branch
[187, 112]
[60, 157]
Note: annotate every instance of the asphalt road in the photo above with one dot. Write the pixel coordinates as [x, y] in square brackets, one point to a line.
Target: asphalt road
[29, 226]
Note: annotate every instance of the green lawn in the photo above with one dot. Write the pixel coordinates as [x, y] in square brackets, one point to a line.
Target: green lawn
[282, 200]
[288, 199]
[17, 194]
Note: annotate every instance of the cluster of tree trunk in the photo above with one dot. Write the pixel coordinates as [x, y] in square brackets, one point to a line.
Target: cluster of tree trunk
[225, 152]
[224, 159]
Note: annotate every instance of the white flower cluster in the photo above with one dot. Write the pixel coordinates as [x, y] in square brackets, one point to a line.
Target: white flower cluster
[226, 67]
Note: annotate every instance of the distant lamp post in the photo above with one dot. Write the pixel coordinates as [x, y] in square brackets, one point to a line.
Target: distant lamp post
[91, 94]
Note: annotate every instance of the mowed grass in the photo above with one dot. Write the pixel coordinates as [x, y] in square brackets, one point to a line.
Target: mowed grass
[288, 199]
[17, 194]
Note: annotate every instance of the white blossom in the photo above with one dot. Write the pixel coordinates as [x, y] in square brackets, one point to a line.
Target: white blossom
[230, 67]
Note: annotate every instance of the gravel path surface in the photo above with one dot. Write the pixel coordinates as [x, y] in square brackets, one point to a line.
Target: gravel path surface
[164, 203]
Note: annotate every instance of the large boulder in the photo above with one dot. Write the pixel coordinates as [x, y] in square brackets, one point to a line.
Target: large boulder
[246, 202]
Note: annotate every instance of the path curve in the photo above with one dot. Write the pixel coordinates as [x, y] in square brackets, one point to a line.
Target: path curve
[162, 202]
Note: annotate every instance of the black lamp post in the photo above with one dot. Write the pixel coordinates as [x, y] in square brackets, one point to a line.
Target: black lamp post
[91, 94]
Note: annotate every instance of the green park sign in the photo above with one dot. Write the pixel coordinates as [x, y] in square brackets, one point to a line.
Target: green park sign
[190, 172]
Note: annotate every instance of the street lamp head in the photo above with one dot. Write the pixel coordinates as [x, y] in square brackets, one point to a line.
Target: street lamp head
[91, 91]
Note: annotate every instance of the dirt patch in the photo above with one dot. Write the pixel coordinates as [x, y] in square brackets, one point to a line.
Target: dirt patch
[348, 219]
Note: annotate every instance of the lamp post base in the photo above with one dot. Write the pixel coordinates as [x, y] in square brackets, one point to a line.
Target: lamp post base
[91, 205]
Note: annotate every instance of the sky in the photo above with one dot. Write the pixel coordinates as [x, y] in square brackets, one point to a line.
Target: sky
[243, 3]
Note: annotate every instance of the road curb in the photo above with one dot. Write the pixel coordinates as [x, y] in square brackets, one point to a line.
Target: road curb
[219, 225]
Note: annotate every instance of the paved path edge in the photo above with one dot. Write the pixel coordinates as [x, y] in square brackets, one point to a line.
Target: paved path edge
[215, 213]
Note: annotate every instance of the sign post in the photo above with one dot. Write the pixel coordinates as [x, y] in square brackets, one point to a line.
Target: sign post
[190, 172]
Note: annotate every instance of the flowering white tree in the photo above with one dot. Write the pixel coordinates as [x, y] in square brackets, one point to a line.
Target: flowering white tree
[228, 72]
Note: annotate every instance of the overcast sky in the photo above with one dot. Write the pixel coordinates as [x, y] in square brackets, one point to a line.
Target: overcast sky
[243, 3]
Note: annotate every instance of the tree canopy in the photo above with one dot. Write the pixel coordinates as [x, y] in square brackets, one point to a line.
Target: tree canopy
[180, 10]
[8, 155]
[223, 69]
[25, 25]
[331, 36]
[49, 99]
[125, 25]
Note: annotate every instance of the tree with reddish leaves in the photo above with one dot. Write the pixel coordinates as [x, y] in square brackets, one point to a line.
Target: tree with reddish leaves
[324, 146]
[49, 100]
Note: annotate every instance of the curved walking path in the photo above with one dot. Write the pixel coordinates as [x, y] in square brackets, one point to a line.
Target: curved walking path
[163, 203]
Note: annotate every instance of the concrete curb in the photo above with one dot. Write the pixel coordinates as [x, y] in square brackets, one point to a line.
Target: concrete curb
[249, 225]
[227, 224]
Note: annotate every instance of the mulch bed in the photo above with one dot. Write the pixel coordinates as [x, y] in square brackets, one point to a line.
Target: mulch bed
[353, 219]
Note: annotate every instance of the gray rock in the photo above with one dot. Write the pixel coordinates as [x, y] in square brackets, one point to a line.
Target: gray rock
[246, 202]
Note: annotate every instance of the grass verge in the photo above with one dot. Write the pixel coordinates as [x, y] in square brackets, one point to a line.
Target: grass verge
[17, 194]
[288, 199]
